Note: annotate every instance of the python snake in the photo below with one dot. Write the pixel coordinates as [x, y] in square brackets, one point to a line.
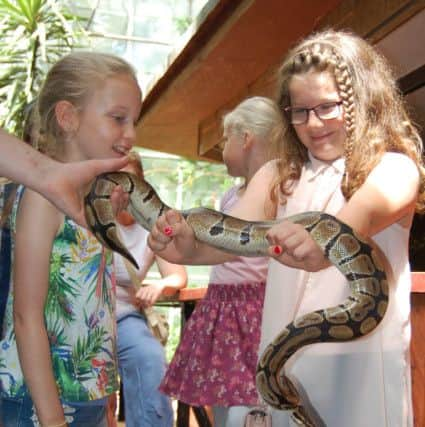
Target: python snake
[355, 317]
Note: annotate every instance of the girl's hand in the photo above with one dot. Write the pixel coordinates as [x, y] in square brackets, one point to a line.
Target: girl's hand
[292, 245]
[172, 238]
[147, 296]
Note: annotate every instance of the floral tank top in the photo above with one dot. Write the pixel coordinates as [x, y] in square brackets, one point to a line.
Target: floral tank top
[79, 318]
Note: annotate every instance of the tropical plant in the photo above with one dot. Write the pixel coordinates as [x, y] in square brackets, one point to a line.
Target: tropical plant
[35, 34]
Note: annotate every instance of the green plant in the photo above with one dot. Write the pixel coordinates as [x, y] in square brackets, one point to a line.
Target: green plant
[35, 34]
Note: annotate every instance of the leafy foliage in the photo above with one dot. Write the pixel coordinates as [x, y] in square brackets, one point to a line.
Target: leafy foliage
[35, 34]
[61, 290]
[183, 183]
[86, 350]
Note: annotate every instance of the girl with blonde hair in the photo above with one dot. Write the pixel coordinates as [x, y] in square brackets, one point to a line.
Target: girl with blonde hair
[58, 349]
[216, 360]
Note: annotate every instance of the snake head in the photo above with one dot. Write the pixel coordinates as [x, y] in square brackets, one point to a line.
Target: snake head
[99, 214]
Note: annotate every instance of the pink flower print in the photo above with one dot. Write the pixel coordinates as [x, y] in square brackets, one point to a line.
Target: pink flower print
[221, 391]
[234, 381]
[98, 363]
[215, 360]
[235, 354]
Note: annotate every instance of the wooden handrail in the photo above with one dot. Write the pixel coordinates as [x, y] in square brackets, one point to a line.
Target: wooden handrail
[418, 281]
[192, 294]
[195, 294]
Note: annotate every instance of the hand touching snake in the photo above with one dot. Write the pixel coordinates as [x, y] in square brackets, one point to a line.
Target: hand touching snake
[355, 317]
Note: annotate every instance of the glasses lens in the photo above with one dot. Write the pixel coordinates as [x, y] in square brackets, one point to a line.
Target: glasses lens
[298, 116]
[328, 111]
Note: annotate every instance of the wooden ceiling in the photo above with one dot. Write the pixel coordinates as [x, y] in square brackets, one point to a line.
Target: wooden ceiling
[233, 52]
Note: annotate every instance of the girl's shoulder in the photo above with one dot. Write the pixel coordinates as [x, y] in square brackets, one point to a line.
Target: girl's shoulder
[267, 172]
[393, 157]
[396, 166]
[37, 211]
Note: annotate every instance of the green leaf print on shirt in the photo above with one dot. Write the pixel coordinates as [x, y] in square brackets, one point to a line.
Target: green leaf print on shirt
[62, 290]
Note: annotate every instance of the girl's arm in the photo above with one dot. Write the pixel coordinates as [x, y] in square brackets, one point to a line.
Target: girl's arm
[64, 184]
[387, 196]
[173, 278]
[37, 224]
[179, 244]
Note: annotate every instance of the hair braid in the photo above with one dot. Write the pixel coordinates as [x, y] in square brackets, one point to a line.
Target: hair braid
[345, 88]
[376, 120]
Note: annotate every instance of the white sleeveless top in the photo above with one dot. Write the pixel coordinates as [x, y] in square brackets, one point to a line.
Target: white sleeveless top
[359, 383]
[135, 238]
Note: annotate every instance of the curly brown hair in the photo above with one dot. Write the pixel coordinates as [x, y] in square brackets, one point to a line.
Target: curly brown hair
[375, 116]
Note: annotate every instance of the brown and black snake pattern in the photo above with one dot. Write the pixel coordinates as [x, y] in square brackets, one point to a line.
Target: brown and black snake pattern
[355, 317]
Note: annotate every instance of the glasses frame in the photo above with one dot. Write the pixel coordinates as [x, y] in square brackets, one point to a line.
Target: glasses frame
[287, 111]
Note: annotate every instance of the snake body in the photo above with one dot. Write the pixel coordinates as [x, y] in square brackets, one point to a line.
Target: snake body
[355, 317]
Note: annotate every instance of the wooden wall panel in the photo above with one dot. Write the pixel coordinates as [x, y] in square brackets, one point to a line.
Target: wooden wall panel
[370, 19]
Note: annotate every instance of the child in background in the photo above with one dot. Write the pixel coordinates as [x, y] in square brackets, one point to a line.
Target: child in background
[58, 353]
[349, 150]
[141, 357]
[216, 360]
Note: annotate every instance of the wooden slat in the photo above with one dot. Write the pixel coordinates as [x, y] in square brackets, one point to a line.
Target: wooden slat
[418, 282]
[417, 352]
[192, 294]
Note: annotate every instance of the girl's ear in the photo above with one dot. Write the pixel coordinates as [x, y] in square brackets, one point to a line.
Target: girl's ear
[66, 116]
[248, 140]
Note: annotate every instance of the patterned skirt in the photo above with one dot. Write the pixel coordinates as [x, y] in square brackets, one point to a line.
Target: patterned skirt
[215, 362]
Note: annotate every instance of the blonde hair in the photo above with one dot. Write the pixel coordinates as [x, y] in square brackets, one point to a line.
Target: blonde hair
[375, 117]
[73, 78]
[258, 115]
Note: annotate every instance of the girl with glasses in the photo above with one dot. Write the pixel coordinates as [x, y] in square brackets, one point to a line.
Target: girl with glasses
[349, 150]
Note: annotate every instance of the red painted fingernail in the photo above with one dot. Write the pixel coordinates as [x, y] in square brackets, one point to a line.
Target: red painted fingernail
[277, 250]
[168, 231]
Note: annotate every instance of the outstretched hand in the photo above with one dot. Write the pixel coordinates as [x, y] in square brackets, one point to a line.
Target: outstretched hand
[67, 183]
[292, 245]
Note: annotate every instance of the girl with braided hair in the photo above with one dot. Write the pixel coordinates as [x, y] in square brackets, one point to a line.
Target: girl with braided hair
[350, 150]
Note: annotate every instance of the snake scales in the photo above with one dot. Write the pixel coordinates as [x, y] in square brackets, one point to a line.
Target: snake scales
[355, 317]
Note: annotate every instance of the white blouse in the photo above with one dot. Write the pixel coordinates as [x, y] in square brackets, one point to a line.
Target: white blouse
[359, 383]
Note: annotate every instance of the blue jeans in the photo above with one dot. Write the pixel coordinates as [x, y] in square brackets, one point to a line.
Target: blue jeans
[141, 364]
[21, 413]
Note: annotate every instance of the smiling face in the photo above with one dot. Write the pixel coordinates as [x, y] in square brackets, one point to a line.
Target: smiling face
[323, 138]
[105, 125]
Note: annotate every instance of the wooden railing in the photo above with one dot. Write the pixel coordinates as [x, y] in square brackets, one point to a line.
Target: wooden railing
[417, 347]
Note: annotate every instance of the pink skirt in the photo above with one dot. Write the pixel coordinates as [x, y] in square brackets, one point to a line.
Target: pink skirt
[215, 362]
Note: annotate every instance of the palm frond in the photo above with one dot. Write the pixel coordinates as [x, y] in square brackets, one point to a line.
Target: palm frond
[35, 34]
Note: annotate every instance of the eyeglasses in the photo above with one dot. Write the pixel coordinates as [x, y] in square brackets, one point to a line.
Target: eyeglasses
[325, 111]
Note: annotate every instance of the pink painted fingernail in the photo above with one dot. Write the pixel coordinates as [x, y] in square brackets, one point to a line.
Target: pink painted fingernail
[168, 231]
[277, 250]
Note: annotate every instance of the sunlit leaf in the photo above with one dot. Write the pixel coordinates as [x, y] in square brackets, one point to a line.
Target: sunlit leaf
[35, 34]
